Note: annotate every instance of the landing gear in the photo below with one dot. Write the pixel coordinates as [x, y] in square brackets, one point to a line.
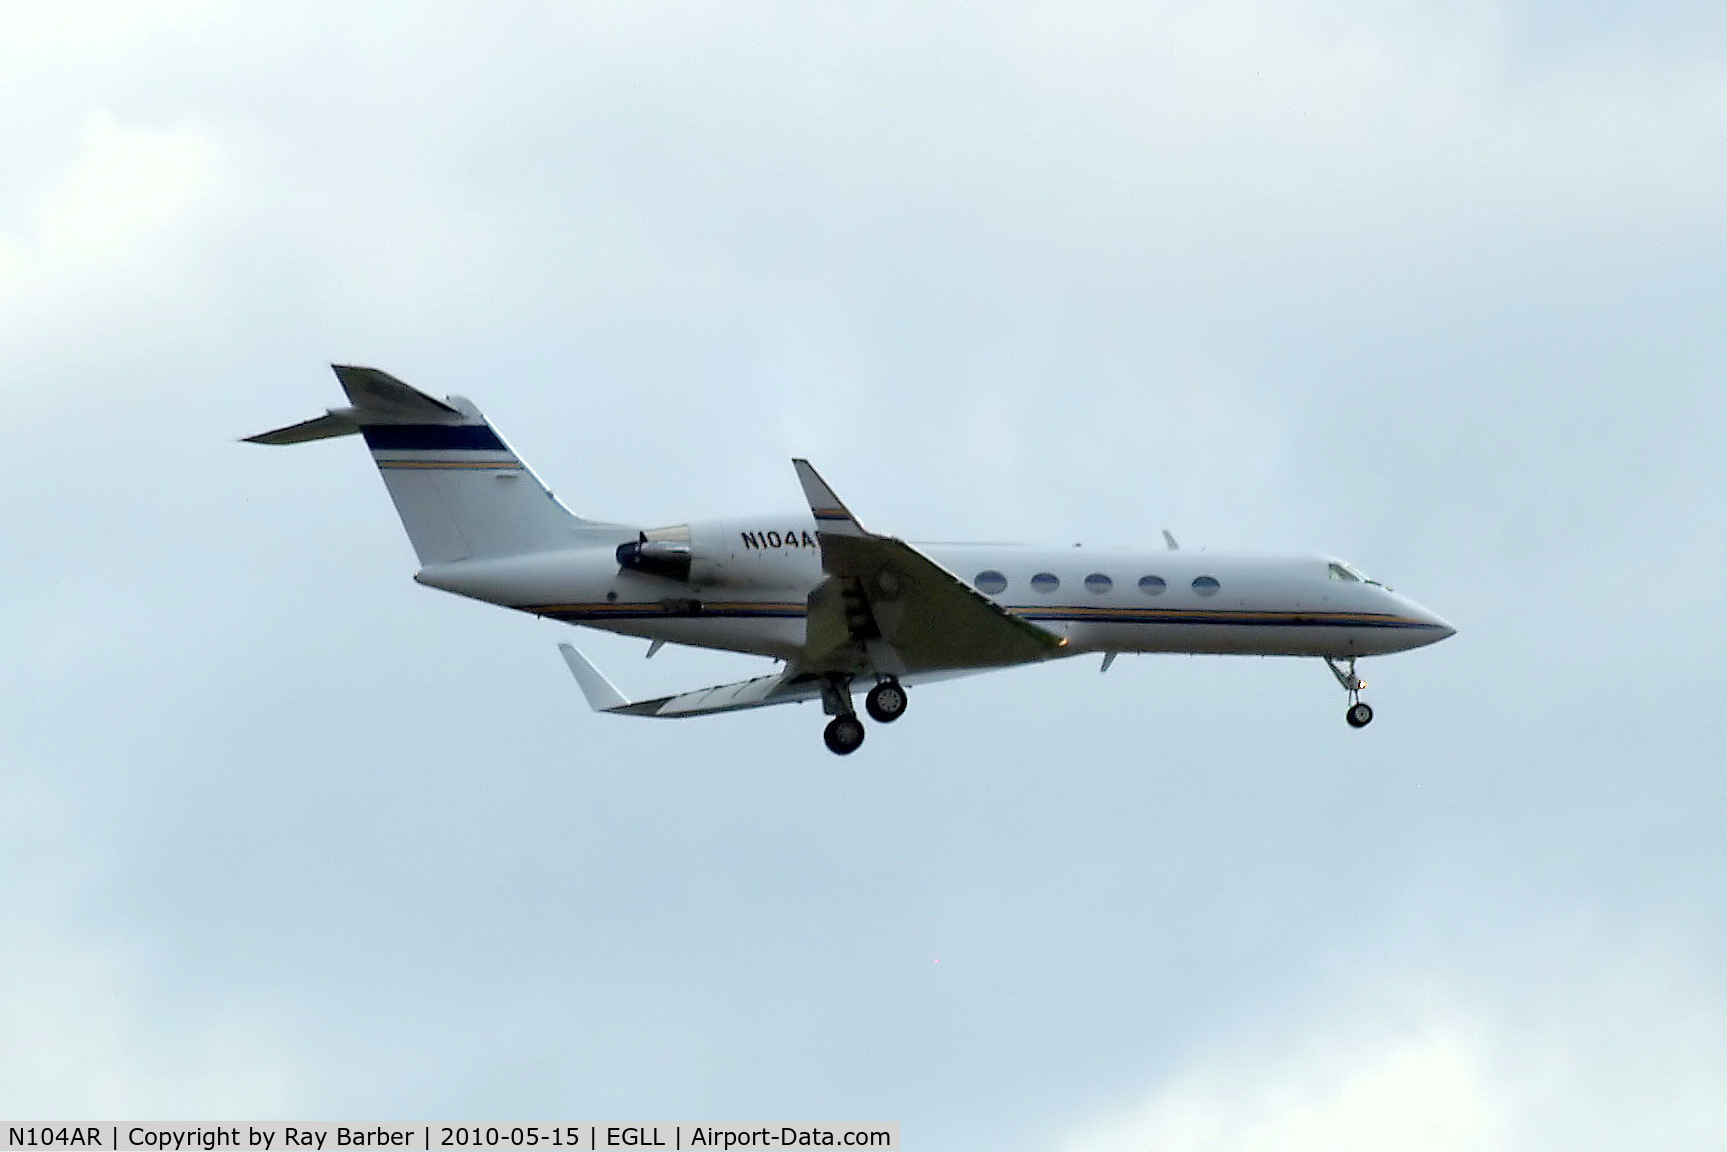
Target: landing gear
[1360, 713]
[844, 734]
[886, 701]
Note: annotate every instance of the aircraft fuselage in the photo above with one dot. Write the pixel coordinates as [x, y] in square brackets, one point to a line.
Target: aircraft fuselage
[750, 583]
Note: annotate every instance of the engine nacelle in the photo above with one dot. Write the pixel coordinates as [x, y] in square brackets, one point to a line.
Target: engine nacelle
[659, 553]
[759, 552]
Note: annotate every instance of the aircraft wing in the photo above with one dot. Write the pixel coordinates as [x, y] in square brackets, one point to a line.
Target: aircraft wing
[784, 687]
[888, 606]
[788, 686]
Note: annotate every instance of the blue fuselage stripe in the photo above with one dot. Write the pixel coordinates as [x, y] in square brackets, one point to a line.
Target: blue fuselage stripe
[431, 438]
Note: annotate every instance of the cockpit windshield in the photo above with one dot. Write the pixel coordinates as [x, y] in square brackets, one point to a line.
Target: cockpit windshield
[1338, 570]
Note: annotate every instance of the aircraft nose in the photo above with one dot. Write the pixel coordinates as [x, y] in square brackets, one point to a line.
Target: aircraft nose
[1439, 628]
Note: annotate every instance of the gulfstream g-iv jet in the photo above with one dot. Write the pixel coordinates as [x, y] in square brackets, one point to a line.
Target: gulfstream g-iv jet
[844, 609]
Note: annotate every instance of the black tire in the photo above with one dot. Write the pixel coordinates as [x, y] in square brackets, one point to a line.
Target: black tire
[885, 702]
[1360, 715]
[844, 735]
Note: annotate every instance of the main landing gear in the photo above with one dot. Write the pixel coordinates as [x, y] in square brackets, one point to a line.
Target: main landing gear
[1360, 713]
[844, 734]
[886, 701]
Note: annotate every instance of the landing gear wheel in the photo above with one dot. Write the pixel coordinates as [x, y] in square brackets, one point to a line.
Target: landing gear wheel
[844, 735]
[885, 702]
[1360, 715]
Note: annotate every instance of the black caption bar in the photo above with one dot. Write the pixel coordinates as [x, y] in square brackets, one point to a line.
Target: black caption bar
[320, 1137]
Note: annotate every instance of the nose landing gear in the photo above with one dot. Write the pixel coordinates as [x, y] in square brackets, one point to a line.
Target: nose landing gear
[1360, 713]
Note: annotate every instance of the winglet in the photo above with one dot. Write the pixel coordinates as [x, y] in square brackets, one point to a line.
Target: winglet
[831, 515]
[602, 697]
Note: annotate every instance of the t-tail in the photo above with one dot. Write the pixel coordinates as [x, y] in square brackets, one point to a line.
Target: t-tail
[461, 492]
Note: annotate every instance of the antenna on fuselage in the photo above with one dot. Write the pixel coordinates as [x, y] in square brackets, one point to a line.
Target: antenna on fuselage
[1170, 540]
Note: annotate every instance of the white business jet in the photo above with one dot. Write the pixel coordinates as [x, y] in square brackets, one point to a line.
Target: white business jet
[843, 609]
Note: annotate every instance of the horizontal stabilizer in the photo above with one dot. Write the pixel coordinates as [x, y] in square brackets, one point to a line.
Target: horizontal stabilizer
[378, 398]
[374, 391]
[317, 428]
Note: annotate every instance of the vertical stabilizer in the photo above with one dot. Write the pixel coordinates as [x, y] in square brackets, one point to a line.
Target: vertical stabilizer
[461, 491]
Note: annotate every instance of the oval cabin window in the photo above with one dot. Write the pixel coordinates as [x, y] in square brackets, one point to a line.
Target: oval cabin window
[991, 582]
[1151, 585]
[1097, 583]
[1045, 582]
[1205, 585]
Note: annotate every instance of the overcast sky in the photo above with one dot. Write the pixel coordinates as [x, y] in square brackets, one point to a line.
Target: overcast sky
[1434, 287]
